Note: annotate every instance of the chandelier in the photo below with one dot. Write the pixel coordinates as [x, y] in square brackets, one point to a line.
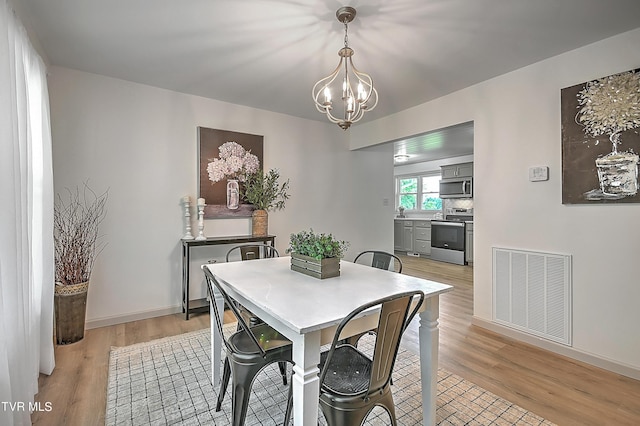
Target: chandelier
[352, 103]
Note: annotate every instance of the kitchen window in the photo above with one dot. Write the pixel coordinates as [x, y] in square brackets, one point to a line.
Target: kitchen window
[419, 192]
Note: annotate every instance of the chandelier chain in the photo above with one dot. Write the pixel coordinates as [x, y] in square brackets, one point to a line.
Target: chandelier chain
[346, 34]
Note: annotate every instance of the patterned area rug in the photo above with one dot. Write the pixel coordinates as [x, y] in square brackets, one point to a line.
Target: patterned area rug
[168, 382]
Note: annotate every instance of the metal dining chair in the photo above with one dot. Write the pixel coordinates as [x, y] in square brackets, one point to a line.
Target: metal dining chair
[380, 260]
[352, 383]
[251, 252]
[246, 354]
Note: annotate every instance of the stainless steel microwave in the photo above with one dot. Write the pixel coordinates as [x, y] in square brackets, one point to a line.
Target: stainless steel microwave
[456, 188]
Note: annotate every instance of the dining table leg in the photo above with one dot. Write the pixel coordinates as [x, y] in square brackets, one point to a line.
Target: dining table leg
[429, 339]
[306, 383]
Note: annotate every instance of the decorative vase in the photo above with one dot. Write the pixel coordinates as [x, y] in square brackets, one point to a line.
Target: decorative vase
[70, 308]
[259, 223]
[233, 194]
[618, 173]
[317, 268]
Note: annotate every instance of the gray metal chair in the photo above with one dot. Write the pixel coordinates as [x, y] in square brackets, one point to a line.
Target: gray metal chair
[351, 383]
[380, 260]
[246, 354]
[251, 252]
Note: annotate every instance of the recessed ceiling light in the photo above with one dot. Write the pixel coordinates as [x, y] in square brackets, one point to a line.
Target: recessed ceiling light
[401, 157]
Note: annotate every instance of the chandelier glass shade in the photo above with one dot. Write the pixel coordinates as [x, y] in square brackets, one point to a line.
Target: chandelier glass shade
[347, 93]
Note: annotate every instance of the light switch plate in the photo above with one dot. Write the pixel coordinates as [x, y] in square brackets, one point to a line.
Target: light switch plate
[538, 173]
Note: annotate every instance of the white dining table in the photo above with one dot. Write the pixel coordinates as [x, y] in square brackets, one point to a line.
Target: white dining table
[306, 310]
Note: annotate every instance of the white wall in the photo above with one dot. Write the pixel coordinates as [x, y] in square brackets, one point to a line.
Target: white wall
[140, 142]
[517, 125]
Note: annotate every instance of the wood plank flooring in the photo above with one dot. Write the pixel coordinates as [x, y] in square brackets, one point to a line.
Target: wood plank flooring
[562, 390]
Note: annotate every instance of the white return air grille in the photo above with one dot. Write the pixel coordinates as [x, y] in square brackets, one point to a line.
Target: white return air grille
[532, 293]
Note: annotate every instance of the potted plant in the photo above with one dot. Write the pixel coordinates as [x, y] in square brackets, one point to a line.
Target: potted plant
[317, 255]
[76, 219]
[265, 193]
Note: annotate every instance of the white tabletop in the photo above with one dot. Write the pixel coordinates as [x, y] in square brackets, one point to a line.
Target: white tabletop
[272, 286]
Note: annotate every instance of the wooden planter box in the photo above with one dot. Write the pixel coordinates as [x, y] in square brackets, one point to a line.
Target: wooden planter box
[323, 268]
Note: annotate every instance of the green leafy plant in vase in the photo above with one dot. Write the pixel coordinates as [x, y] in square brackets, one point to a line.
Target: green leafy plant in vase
[316, 254]
[266, 193]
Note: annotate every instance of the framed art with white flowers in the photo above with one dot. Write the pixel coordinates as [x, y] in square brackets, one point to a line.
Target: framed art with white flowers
[225, 159]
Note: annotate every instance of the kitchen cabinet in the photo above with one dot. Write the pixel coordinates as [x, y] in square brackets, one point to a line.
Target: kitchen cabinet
[398, 234]
[407, 239]
[468, 251]
[457, 170]
[403, 235]
[422, 236]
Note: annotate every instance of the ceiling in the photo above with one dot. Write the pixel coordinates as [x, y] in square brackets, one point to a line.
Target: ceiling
[453, 141]
[267, 54]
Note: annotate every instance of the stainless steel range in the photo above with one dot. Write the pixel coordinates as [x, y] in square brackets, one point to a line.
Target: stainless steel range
[448, 238]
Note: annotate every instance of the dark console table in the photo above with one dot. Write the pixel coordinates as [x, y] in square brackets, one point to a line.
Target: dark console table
[202, 305]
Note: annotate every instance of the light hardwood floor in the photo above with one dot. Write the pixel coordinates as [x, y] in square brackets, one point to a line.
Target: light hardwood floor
[562, 390]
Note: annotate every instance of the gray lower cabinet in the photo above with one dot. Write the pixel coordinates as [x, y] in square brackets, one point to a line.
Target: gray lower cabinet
[407, 240]
[398, 234]
[422, 237]
[468, 254]
[403, 235]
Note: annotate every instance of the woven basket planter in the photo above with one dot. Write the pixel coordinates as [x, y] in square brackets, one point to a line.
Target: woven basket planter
[259, 223]
[317, 268]
[70, 307]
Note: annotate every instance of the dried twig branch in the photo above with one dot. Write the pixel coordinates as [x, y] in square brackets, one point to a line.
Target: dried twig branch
[76, 220]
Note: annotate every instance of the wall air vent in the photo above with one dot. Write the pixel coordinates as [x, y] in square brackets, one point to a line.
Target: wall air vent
[532, 293]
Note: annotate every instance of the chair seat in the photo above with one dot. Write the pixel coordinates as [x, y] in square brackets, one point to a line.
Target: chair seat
[349, 372]
[268, 338]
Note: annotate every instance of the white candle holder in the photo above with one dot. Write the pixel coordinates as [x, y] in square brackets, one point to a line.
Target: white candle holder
[201, 223]
[187, 218]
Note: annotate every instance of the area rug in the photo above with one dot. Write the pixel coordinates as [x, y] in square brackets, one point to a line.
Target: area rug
[168, 382]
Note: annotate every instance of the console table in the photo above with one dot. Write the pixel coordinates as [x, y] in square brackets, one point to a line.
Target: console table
[202, 305]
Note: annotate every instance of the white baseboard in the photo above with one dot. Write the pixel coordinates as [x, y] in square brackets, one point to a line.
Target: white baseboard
[120, 319]
[607, 364]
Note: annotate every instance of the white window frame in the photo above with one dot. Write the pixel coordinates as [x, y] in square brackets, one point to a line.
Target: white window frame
[419, 193]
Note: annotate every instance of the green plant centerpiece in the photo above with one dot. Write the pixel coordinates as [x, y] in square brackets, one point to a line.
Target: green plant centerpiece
[77, 243]
[264, 191]
[316, 254]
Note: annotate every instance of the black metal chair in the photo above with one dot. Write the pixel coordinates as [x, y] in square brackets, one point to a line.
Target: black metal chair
[381, 260]
[246, 354]
[250, 252]
[351, 383]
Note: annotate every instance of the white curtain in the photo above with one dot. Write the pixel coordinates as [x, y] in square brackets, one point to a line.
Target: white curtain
[26, 222]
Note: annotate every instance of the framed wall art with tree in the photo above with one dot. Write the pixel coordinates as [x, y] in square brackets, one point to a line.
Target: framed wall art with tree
[601, 140]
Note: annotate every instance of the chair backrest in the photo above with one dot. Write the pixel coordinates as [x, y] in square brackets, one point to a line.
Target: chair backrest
[381, 260]
[252, 251]
[396, 313]
[212, 283]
